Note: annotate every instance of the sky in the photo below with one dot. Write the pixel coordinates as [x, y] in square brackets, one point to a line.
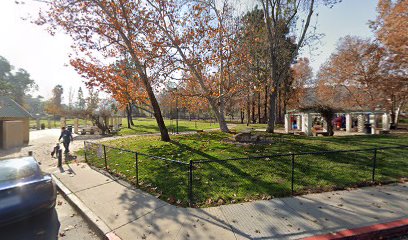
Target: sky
[45, 57]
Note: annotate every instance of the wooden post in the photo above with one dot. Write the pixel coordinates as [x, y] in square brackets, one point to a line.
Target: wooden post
[38, 124]
[76, 127]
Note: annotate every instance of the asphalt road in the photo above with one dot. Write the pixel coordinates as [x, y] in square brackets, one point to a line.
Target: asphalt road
[63, 222]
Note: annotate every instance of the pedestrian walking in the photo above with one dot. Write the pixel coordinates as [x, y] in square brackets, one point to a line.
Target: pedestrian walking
[66, 139]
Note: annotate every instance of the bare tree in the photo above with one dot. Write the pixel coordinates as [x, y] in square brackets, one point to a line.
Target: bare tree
[281, 17]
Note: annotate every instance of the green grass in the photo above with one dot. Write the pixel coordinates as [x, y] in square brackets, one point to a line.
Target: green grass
[251, 178]
[142, 125]
[149, 125]
[57, 123]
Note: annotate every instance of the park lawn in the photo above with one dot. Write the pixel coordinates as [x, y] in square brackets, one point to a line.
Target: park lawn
[33, 123]
[149, 125]
[57, 123]
[244, 180]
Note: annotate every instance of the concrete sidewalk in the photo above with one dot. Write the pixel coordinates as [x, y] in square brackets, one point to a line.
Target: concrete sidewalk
[128, 213]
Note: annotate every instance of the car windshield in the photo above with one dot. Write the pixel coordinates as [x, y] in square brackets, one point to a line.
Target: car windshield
[14, 169]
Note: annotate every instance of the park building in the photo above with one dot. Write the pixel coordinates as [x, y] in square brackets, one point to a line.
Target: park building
[14, 124]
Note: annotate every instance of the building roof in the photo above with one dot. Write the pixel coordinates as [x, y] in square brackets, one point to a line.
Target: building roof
[10, 109]
[298, 112]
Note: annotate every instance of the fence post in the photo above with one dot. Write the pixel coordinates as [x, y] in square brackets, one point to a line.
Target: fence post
[190, 184]
[86, 159]
[293, 171]
[59, 158]
[137, 169]
[374, 164]
[104, 157]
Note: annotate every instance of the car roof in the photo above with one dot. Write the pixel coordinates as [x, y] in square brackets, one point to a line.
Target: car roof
[19, 168]
[18, 162]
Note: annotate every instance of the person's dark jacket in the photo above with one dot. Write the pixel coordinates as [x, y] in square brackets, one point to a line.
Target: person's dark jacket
[66, 136]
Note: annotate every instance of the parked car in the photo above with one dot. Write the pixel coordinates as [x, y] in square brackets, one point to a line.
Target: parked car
[24, 190]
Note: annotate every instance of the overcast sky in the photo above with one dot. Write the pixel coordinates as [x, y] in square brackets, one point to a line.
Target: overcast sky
[45, 57]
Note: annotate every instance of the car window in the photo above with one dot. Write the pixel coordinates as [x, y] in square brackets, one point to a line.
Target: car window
[15, 169]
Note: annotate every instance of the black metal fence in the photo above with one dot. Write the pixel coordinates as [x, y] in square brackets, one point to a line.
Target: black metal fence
[263, 176]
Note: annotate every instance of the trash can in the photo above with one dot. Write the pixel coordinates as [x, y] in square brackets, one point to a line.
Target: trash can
[367, 128]
[69, 128]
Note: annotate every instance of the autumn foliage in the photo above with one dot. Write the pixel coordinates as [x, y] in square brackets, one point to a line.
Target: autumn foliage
[211, 58]
[370, 74]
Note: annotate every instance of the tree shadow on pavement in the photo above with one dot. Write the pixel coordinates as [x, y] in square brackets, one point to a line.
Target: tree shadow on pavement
[42, 226]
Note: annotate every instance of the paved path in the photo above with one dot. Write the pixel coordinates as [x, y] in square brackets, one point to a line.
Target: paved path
[134, 214]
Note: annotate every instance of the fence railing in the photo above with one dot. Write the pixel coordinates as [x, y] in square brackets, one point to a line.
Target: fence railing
[280, 174]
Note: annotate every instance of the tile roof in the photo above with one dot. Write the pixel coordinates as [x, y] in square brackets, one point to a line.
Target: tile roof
[9, 108]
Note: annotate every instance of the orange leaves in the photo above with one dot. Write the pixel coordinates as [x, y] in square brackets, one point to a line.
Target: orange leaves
[117, 79]
[355, 75]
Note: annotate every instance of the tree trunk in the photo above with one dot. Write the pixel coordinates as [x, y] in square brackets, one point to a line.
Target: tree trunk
[128, 116]
[266, 105]
[329, 121]
[248, 110]
[253, 108]
[330, 129]
[285, 103]
[219, 114]
[281, 106]
[164, 134]
[159, 118]
[272, 116]
[221, 117]
[242, 115]
[278, 107]
[274, 90]
[259, 107]
[103, 126]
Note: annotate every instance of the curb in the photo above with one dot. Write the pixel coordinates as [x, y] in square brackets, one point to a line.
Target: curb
[96, 223]
[376, 231]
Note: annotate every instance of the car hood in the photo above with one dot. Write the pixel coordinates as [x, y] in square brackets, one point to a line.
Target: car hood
[4, 185]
